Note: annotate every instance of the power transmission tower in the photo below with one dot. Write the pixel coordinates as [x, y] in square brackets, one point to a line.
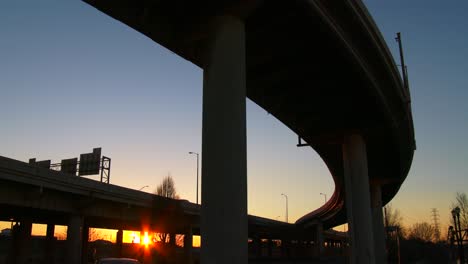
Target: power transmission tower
[435, 219]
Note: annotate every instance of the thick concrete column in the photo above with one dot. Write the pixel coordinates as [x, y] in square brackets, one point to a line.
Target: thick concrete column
[50, 244]
[358, 205]
[378, 224]
[74, 239]
[224, 172]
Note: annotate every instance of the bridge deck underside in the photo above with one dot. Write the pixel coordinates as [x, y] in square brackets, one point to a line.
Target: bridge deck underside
[317, 66]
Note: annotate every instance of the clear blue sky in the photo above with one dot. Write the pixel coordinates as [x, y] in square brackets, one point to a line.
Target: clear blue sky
[72, 78]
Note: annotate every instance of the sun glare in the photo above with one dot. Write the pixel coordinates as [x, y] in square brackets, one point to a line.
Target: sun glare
[135, 237]
[146, 239]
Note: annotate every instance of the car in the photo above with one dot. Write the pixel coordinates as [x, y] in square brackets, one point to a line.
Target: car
[118, 261]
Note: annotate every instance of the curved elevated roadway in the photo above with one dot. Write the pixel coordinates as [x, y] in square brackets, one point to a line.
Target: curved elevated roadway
[321, 67]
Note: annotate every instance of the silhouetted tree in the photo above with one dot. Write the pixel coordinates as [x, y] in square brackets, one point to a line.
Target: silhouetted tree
[461, 201]
[421, 231]
[393, 218]
[167, 188]
[94, 235]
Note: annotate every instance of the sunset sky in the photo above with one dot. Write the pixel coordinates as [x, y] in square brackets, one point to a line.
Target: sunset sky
[72, 78]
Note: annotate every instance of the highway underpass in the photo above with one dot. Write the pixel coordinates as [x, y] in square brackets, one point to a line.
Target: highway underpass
[320, 67]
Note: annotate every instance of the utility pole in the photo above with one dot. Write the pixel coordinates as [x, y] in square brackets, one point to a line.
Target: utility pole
[435, 219]
[285, 196]
[403, 66]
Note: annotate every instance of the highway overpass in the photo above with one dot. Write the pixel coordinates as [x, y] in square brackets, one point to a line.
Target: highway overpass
[320, 67]
[32, 194]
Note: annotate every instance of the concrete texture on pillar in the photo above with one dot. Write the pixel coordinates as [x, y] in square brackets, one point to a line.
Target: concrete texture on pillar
[74, 239]
[224, 171]
[378, 224]
[358, 200]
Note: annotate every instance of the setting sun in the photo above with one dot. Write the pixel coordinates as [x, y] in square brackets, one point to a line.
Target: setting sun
[146, 239]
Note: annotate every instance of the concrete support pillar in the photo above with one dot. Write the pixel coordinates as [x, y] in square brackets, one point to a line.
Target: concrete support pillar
[358, 205]
[84, 243]
[378, 224]
[119, 242]
[172, 239]
[50, 244]
[284, 248]
[14, 248]
[270, 247]
[24, 242]
[74, 239]
[319, 239]
[188, 245]
[257, 247]
[224, 171]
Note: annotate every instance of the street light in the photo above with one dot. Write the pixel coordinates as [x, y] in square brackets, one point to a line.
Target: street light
[286, 206]
[324, 194]
[197, 171]
[143, 187]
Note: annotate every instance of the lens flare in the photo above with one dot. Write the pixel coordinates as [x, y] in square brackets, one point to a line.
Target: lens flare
[146, 239]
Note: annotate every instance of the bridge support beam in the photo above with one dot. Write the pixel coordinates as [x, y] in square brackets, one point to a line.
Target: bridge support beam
[21, 245]
[119, 242]
[358, 205]
[74, 239]
[224, 171]
[188, 245]
[50, 244]
[378, 223]
[84, 242]
[319, 241]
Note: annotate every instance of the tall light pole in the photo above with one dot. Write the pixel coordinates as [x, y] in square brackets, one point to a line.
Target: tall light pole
[285, 196]
[325, 195]
[197, 171]
[143, 187]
